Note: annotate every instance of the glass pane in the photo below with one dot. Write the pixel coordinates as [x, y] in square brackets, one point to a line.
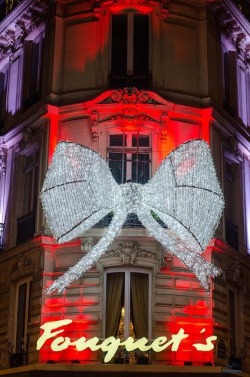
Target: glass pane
[139, 303]
[140, 140]
[115, 304]
[21, 317]
[119, 45]
[118, 167]
[118, 140]
[140, 168]
[141, 44]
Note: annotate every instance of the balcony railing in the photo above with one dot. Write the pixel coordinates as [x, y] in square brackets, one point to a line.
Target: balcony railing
[131, 221]
[25, 227]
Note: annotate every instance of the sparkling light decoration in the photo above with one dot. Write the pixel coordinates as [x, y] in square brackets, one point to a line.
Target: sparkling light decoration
[79, 190]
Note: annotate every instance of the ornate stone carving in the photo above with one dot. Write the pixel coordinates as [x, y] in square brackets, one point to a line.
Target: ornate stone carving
[234, 273]
[128, 253]
[247, 59]
[130, 96]
[13, 35]
[2, 161]
[130, 118]
[231, 145]
[30, 141]
[94, 125]
[21, 263]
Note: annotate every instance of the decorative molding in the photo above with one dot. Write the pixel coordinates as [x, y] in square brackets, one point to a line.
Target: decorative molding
[128, 253]
[1, 235]
[2, 161]
[234, 26]
[26, 20]
[30, 141]
[23, 266]
[234, 273]
[130, 95]
[94, 125]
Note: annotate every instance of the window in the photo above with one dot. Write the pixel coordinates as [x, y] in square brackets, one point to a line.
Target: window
[32, 71]
[233, 200]
[28, 197]
[127, 311]
[129, 156]
[130, 50]
[244, 95]
[22, 316]
[230, 81]
[3, 95]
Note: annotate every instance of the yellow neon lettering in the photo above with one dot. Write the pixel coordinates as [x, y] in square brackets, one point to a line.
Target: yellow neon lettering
[206, 347]
[60, 344]
[110, 345]
[131, 345]
[48, 327]
[81, 344]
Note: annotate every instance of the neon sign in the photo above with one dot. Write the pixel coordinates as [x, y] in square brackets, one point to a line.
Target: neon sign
[110, 345]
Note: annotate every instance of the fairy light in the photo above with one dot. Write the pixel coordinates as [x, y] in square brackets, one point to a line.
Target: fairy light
[79, 190]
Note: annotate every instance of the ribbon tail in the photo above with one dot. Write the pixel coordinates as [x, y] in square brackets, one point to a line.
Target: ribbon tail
[169, 239]
[96, 252]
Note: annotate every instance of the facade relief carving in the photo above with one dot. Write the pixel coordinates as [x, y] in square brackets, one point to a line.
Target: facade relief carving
[129, 252]
[30, 141]
[130, 95]
[2, 161]
[233, 30]
[23, 266]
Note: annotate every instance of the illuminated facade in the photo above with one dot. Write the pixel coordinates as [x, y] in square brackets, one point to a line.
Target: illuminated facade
[131, 80]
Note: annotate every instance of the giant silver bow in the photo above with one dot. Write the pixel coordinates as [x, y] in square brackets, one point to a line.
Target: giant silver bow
[79, 190]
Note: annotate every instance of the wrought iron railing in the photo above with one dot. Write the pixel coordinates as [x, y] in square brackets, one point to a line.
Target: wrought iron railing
[25, 227]
[131, 221]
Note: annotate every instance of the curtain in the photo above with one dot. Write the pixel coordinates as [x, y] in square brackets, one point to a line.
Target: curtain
[114, 302]
[139, 303]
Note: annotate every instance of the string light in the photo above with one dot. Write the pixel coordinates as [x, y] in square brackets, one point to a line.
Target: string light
[79, 190]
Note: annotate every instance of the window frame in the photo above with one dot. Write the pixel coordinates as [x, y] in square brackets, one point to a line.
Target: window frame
[26, 281]
[129, 149]
[127, 297]
[130, 78]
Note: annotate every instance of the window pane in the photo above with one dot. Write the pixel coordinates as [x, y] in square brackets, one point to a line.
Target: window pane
[20, 332]
[140, 141]
[139, 303]
[141, 44]
[119, 45]
[114, 302]
[118, 167]
[140, 168]
[117, 140]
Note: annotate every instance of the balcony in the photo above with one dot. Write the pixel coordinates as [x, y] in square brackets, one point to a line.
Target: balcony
[25, 227]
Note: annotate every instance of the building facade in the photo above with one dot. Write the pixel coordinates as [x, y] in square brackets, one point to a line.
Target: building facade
[131, 80]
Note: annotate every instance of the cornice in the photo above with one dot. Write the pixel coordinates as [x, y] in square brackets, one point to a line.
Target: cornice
[16, 26]
[234, 26]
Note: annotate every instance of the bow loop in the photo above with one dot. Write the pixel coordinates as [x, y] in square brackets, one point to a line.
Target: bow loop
[79, 190]
[186, 195]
